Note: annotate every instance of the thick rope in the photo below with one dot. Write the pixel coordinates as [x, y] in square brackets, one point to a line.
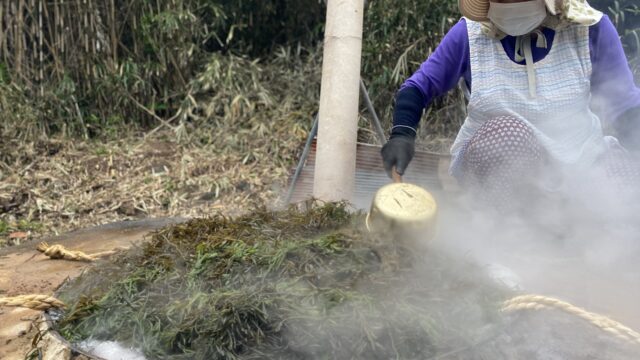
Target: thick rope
[538, 302]
[60, 252]
[35, 302]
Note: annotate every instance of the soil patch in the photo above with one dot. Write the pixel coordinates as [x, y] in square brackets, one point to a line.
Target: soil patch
[23, 270]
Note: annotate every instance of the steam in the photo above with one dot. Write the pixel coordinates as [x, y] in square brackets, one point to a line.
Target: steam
[582, 246]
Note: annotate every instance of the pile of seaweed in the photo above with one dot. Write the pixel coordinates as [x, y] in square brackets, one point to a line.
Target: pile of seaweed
[306, 283]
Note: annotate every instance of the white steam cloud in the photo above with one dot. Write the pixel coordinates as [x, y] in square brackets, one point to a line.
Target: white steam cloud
[582, 246]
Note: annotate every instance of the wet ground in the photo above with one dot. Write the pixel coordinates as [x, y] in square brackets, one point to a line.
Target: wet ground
[24, 271]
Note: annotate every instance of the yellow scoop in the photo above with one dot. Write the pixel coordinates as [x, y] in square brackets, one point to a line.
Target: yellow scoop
[403, 207]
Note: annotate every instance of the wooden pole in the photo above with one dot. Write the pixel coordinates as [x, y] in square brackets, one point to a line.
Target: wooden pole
[337, 133]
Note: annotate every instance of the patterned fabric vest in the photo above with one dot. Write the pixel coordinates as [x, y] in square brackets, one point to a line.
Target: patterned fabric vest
[559, 114]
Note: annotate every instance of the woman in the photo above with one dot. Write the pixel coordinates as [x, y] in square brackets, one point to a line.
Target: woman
[544, 77]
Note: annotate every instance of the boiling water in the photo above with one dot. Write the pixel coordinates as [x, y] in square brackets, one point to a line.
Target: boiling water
[110, 350]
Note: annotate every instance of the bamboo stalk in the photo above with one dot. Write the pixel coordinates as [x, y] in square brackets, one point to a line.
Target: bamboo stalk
[41, 46]
[54, 36]
[135, 41]
[2, 33]
[86, 26]
[8, 34]
[114, 39]
[56, 24]
[91, 42]
[93, 22]
[31, 66]
[32, 35]
[19, 33]
[62, 30]
[90, 28]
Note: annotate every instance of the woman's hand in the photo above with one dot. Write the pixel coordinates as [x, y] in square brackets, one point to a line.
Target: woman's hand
[398, 152]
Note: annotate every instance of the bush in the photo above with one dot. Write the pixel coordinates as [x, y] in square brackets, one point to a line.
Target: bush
[625, 14]
[162, 47]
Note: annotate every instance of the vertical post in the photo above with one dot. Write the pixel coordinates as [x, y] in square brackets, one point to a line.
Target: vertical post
[338, 115]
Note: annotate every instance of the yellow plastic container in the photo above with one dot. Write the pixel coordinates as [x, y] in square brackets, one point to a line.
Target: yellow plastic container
[404, 209]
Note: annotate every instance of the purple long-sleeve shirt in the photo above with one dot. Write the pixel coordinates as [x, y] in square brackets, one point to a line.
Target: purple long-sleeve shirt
[612, 83]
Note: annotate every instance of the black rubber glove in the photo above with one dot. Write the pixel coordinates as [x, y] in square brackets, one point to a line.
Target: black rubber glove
[400, 148]
[398, 152]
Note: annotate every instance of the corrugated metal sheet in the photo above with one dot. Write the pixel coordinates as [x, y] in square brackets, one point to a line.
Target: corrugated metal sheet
[428, 170]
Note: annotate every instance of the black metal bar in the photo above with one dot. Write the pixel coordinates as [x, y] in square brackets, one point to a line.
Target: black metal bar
[376, 121]
[314, 131]
[303, 159]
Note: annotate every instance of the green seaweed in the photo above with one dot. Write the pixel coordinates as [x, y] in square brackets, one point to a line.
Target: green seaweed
[294, 284]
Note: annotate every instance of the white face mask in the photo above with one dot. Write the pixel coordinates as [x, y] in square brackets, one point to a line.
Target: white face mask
[518, 18]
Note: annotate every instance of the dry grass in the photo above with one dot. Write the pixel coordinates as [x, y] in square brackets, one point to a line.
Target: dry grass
[229, 148]
[56, 186]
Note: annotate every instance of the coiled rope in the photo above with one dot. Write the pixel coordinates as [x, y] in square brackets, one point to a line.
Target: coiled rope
[45, 302]
[60, 252]
[35, 302]
[539, 302]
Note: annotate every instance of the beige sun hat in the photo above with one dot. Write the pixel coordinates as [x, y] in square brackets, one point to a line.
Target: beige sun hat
[477, 10]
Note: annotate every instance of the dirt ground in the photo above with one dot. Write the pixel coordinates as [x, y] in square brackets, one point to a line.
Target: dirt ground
[23, 270]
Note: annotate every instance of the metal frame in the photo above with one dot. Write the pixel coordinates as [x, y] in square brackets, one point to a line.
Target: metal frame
[314, 131]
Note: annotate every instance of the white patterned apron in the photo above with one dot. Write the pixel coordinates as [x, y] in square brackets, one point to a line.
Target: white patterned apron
[559, 113]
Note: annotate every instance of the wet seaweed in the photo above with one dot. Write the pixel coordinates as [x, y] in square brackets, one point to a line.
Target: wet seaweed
[294, 284]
